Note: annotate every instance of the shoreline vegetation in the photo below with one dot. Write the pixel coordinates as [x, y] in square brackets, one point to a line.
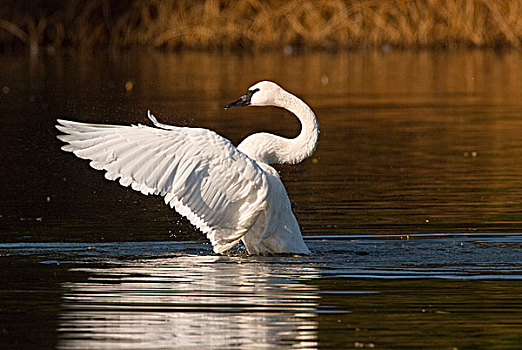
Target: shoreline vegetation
[260, 25]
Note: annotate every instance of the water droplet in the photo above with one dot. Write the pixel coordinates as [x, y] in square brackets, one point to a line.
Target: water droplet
[324, 80]
[129, 85]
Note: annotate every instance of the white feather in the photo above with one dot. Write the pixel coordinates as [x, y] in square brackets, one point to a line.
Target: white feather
[183, 164]
[229, 193]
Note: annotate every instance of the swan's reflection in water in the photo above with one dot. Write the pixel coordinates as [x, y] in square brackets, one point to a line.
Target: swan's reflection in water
[191, 302]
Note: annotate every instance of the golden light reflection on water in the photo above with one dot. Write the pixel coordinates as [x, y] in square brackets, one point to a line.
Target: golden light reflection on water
[411, 142]
[480, 74]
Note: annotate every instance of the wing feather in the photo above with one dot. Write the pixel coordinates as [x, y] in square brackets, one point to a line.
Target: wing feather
[200, 174]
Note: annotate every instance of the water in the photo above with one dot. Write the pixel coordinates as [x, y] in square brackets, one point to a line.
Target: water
[410, 206]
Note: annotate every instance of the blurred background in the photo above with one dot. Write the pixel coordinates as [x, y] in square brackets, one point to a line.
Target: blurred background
[260, 25]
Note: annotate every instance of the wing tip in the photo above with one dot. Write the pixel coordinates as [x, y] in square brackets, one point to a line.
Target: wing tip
[151, 117]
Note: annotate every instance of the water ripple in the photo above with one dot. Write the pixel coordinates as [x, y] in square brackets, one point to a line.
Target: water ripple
[155, 295]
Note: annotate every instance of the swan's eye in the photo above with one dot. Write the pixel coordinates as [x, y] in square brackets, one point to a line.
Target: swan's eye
[243, 100]
[250, 93]
[248, 96]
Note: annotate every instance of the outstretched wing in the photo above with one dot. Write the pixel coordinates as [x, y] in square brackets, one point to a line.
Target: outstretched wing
[200, 174]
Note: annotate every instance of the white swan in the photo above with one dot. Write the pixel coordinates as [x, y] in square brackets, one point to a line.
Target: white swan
[229, 193]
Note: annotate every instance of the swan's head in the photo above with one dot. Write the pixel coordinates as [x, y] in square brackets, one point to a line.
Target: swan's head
[264, 93]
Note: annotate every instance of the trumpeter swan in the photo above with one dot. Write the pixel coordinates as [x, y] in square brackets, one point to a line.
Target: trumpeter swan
[229, 193]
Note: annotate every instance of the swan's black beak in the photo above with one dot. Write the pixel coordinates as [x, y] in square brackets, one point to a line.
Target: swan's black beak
[243, 100]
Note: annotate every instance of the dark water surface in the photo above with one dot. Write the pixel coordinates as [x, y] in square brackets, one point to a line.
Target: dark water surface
[410, 206]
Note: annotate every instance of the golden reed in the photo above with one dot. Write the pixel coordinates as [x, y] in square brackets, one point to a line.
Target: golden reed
[258, 24]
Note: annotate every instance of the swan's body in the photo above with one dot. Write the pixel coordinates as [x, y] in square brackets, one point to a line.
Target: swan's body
[229, 193]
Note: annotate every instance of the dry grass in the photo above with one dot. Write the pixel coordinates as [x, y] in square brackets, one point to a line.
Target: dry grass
[258, 24]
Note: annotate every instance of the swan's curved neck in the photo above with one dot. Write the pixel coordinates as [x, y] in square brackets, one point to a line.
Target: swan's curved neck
[271, 149]
[297, 149]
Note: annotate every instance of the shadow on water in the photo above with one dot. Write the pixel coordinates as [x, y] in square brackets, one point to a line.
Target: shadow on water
[411, 206]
